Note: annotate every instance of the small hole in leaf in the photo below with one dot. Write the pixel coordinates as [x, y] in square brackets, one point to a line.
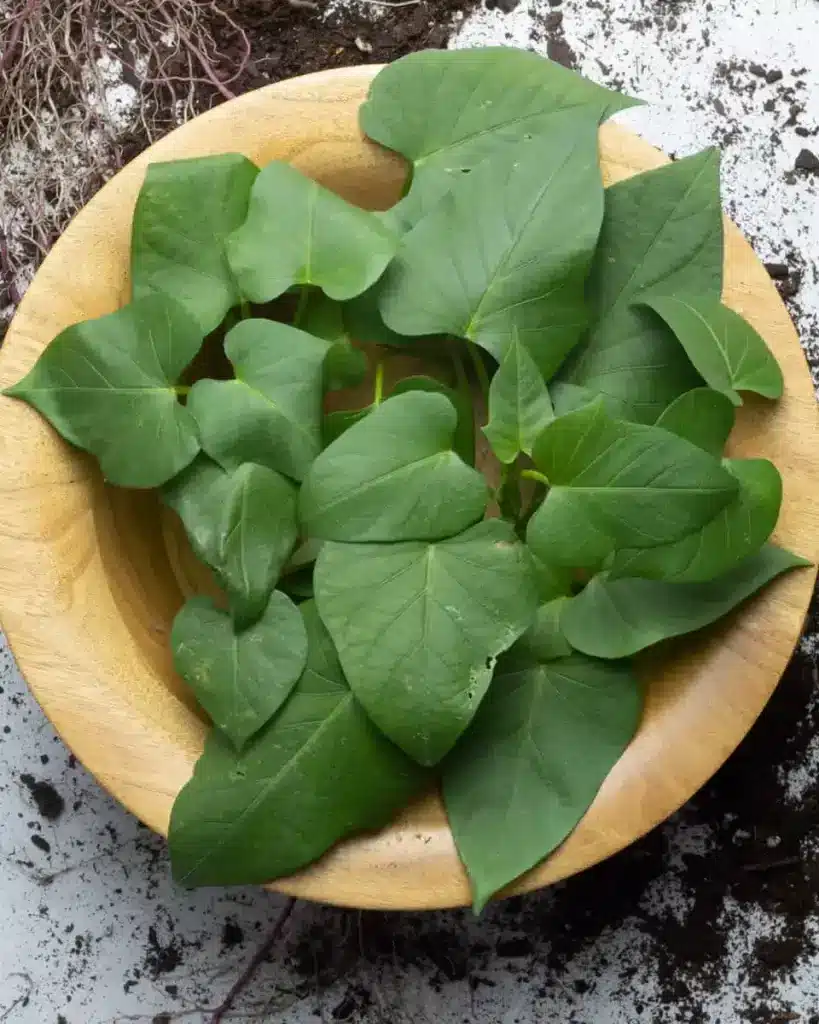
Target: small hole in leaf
[238, 773]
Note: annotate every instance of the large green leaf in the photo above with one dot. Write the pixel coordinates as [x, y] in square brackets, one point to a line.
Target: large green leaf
[618, 618]
[726, 351]
[242, 523]
[616, 484]
[662, 231]
[526, 772]
[418, 627]
[394, 476]
[271, 412]
[240, 678]
[318, 772]
[447, 111]
[110, 386]
[703, 417]
[519, 404]
[736, 532]
[298, 232]
[507, 250]
[184, 212]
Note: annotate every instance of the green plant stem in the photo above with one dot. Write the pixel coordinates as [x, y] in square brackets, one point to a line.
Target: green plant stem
[182, 389]
[532, 474]
[529, 511]
[301, 308]
[378, 391]
[508, 492]
[480, 368]
[245, 312]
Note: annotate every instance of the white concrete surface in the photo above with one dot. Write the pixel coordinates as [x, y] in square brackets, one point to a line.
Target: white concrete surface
[703, 923]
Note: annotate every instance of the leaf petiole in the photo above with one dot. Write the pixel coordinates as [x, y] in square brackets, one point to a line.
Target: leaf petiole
[480, 369]
[532, 474]
[182, 389]
[378, 390]
[245, 312]
[301, 308]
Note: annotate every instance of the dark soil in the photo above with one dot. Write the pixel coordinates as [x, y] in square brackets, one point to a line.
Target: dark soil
[290, 41]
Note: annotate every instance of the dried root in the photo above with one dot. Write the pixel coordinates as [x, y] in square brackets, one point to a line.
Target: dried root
[84, 85]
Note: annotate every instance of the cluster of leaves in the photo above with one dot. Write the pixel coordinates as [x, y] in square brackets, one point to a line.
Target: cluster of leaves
[391, 619]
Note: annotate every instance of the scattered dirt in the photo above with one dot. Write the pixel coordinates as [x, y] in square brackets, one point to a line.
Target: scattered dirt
[48, 801]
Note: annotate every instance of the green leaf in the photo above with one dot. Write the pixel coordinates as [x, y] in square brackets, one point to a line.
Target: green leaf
[662, 230]
[533, 761]
[418, 627]
[240, 678]
[519, 404]
[508, 249]
[271, 413]
[736, 532]
[703, 417]
[551, 580]
[616, 484]
[448, 110]
[109, 386]
[241, 523]
[340, 420]
[618, 618]
[363, 322]
[298, 232]
[394, 476]
[463, 441]
[544, 639]
[344, 365]
[726, 351]
[184, 212]
[318, 772]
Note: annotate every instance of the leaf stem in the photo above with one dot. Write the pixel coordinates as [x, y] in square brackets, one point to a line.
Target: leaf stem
[245, 312]
[532, 474]
[301, 308]
[480, 368]
[378, 392]
[182, 389]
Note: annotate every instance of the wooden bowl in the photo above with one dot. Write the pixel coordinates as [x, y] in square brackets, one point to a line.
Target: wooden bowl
[87, 592]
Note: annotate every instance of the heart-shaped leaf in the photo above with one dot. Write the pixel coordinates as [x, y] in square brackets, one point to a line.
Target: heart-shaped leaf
[240, 678]
[394, 476]
[418, 627]
[703, 417]
[242, 523]
[109, 386]
[662, 231]
[519, 404]
[508, 249]
[618, 618]
[448, 110]
[298, 232]
[616, 484]
[271, 412]
[726, 351]
[736, 532]
[526, 772]
[318, 772]
[184, 212]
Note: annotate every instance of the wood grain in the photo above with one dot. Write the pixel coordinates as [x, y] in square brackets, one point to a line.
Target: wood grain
[87, 590]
